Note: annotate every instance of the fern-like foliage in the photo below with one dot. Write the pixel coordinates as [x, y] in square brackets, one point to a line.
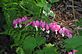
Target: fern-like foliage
[27, 39]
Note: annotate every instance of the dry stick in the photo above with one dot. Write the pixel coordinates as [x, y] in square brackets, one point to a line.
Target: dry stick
[74, 15]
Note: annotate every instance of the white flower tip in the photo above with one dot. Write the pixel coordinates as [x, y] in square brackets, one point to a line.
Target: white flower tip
[56, 31]
[43, 29]
[62, 35]
[48, 31]
[15, 26]
[20, 25]
[36, 28]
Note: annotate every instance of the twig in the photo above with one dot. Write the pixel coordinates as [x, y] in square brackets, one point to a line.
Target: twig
[74, 15]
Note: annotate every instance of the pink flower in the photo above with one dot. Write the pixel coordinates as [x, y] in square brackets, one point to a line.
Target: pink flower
[73, 52]
[69, 34]
[47, 27]
[19, 20]
[42, 25]
[65, 32]
[24, 19]
[15, 23]
[57, 28]
[51, 24]
[35, 23]
[54, 27]
[70, 52]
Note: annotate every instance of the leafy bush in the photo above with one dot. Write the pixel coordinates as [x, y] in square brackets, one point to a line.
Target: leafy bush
[26, 39]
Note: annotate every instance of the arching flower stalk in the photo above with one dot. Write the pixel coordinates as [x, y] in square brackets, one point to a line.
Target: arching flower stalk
[54, 27]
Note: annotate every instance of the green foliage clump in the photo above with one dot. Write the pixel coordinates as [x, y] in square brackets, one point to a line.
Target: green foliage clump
[74, 43]
[27, 39]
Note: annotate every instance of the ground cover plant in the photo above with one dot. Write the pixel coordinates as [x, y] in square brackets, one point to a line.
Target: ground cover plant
[41, 27]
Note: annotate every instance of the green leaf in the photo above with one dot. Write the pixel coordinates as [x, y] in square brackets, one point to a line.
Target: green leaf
[33, 10]
[47, 7]
[49, 45]
[39, 52]
[79, 23]
[20, 50]
[52, 1]
[47, 50]
[51, 13]
[50, 50]
[73, 42]
[29, 43]
[80, 32]
[40, 40]
[41, 3]
[79, 50]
